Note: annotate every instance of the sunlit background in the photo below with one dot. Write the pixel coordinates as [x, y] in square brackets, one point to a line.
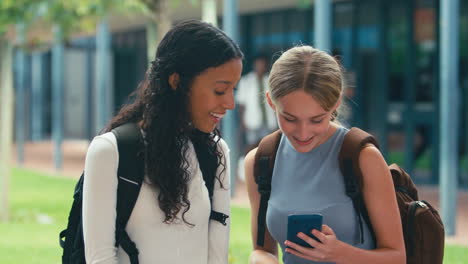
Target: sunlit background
[68, 66]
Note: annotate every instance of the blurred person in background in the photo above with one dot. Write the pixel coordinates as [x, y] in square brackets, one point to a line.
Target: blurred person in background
[257, 119]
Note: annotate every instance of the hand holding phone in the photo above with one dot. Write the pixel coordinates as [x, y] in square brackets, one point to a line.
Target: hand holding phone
[304, 223]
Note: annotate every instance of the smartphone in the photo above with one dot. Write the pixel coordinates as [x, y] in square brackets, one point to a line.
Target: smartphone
[303, 223]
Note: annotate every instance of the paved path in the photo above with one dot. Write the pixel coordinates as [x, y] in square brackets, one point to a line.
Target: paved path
[38, 156]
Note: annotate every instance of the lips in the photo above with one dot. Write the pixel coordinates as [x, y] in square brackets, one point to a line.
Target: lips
[216, 116]
[303, 142]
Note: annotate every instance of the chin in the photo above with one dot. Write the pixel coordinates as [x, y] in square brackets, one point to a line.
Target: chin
[303, 149]
[206, 129]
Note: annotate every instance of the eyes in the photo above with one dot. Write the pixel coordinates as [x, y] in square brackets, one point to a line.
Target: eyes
[313, 121]
[221, 92]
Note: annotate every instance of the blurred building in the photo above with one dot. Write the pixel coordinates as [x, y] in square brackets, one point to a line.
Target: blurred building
[390, 50]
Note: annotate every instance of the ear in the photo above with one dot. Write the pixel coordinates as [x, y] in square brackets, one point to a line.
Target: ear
[174, 80]
[270, 102]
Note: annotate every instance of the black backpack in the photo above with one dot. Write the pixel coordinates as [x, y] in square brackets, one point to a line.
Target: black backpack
[423, 229]
[130, 146]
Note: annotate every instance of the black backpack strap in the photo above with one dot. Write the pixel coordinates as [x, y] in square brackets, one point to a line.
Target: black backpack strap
[218, 216]
[130, 177]
[208, 163]
[263, 171]
[67, 239]
[354, 141]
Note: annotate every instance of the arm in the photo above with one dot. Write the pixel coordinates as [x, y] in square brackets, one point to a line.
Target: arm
[380, 200]
[218, 234]
[99, 201]
[268, 254]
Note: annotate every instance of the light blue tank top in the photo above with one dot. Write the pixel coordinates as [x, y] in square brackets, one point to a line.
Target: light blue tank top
[311, 182]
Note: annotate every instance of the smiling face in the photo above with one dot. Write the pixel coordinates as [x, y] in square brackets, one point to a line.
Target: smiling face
[212, 94]
[303, 120]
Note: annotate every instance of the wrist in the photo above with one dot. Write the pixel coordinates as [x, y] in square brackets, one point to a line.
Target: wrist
[345, 251]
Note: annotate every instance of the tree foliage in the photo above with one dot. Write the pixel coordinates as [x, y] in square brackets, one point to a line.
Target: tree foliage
[304, 4]
[16, 11]
[71, 15]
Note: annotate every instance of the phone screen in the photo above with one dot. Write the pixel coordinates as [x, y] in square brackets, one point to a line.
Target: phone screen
[303, 223]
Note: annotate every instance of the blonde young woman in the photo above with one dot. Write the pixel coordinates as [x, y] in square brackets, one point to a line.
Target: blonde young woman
[305, 92]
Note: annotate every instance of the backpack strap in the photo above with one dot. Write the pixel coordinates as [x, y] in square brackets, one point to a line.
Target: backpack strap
[130, 177]
[70, 237]
[354, 141]
[208, 163]
[263, 171]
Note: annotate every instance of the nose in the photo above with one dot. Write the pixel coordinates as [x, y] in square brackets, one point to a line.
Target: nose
[303, 131]
[229, 102]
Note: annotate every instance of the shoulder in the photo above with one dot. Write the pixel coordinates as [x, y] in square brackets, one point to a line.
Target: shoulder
[369, 154]
[373, 166]
[102, 158]
[250, 157]
[105, 141]
[102, 145]
[249, 163]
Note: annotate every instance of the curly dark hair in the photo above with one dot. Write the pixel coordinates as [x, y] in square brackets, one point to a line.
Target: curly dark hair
[188, 49]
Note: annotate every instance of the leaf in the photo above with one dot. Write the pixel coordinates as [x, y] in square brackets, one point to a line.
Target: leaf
[304, 4]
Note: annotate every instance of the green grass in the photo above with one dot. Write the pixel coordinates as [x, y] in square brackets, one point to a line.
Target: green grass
[455, 255]
[34, 195]
[240, 242]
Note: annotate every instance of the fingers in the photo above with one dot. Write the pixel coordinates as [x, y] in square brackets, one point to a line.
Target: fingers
[319, 235]
[303, 252]
[326, 249]
[322, 236]
[309, 240]
[304, 256]
[327, 230]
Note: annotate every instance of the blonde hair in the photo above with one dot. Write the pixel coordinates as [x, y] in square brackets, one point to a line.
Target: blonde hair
[310, 69]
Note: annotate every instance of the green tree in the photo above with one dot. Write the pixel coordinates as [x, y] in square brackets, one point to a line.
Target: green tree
[83, 15]
[68, 16]
[12, 12]
[158, 24]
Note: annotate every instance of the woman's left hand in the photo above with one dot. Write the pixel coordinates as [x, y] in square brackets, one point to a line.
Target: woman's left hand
[329, 249]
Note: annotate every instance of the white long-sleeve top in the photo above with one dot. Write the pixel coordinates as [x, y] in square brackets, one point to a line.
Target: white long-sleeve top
[205, 243]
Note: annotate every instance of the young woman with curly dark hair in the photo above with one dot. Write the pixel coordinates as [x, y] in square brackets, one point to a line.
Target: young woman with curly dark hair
[187, 90]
